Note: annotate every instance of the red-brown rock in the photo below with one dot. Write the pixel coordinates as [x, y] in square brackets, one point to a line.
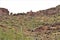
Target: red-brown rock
[4, 11]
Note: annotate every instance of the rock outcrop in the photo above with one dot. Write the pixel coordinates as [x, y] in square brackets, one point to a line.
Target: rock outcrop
[4, 11]
[50, 11]
[46, 28]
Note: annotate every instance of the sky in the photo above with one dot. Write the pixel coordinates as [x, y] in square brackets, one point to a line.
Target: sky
[18, 6]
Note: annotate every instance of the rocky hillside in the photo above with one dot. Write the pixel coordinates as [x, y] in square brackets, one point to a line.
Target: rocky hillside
[40, 25]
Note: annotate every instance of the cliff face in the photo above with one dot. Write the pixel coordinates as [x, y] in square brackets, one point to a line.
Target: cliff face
[4, 11]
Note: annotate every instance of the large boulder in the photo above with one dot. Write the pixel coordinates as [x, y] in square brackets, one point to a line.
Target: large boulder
[4, 11]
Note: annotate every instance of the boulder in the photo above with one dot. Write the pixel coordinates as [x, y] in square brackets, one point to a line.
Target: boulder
[4, 11]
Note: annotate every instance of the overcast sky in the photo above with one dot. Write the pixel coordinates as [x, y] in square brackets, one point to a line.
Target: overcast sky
[16, 6]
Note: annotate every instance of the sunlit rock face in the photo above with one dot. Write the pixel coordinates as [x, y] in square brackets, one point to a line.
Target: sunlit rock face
[4, 11]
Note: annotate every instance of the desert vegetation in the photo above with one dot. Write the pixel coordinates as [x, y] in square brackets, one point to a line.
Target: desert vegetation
[40, 25]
